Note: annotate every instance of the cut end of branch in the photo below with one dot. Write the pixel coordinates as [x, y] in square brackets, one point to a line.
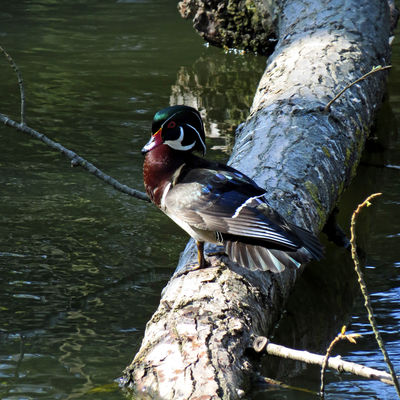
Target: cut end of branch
[260, 343]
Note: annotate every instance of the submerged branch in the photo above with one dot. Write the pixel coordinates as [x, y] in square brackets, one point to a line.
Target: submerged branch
[75, 158]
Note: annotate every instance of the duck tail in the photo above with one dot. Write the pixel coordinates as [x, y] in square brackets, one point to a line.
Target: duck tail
[260, 258]
[310, 242]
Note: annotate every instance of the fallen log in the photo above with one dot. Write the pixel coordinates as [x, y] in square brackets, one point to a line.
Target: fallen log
[195, 345]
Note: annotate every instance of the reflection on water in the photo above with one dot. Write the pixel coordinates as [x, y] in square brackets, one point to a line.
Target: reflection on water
[222, 89]
[82, 266]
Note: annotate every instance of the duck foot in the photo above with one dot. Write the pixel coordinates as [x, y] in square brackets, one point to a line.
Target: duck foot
[218, 253]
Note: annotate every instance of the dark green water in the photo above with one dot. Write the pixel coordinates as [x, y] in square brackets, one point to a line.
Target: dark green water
[81, 265]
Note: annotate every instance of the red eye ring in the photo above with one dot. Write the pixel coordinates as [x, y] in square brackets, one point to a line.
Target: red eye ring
[171, 124]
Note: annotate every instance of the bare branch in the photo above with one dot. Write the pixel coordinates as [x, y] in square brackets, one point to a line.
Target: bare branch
[341, 336]
[75, 158]
[20, 82]
[333, 362]
[373, 70]
[364, 291]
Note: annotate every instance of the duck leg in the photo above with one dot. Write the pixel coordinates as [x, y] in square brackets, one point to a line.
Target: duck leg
[200, 254]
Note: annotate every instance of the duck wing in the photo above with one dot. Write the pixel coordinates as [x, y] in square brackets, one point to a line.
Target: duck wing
[220, 199]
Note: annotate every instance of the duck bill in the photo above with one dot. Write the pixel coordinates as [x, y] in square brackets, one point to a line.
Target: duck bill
[154, 142]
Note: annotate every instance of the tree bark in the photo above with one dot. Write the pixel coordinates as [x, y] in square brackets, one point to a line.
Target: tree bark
[249, 25]
[195, 345]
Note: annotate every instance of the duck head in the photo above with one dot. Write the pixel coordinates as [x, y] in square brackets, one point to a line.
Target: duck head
[179, 127]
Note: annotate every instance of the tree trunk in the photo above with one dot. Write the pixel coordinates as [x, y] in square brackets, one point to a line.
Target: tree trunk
[195, 345]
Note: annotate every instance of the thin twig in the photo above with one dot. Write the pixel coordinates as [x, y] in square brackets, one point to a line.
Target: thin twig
[75, 158]
[373, 71]
[20, 82]
[341, 336]
[364, 291]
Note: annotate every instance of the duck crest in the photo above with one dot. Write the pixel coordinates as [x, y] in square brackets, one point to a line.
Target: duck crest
[159, 166]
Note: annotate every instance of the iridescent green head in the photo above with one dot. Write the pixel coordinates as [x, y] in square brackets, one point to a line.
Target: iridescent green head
[180, 127]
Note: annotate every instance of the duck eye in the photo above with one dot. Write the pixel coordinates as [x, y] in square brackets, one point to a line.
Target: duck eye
[171, 124]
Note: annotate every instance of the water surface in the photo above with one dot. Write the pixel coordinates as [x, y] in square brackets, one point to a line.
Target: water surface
[81, 265]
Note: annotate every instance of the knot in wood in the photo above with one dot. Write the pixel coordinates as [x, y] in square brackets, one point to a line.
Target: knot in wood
[74, 162]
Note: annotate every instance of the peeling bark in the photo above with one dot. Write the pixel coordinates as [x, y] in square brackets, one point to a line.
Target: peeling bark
[195, 345]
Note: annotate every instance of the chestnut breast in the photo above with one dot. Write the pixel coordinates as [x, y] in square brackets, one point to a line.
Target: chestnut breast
[158, 169]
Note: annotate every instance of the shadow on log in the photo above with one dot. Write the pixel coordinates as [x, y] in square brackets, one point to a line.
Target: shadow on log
[195, 345]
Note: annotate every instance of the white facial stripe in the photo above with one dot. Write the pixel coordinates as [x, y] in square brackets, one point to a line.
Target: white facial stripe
[180, 138]
[201, 121]
[177, 144]
[173, 115]
[198, 134]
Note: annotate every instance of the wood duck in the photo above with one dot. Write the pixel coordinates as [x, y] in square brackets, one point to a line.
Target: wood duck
[216, 203]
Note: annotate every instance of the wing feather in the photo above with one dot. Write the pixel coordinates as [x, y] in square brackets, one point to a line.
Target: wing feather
[230, 203]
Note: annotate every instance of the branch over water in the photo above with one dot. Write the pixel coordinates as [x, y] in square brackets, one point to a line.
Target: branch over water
[75, 158]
